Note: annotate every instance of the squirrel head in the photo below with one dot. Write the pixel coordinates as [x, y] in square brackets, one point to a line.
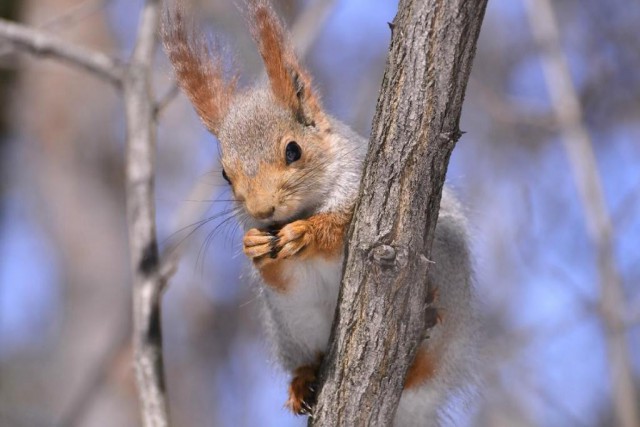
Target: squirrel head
[275, 139]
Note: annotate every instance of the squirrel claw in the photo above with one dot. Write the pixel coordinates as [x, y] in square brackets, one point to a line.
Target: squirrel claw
[264, 246]
[293, 238]
[256, 243]
[302, 391]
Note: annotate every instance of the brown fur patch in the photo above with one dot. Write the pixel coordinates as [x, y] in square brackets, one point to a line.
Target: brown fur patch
[327, 232]
[319, 235]
[303, 389]
[273, 276]
[290, 82]
[423, 368]
[198, 67]
[275, 51]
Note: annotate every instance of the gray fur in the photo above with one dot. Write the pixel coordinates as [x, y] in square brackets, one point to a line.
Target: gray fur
[254, 120]
[453, 338]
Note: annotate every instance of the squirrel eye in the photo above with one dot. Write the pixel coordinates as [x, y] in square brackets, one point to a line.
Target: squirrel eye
[293, 152]
[225, 176]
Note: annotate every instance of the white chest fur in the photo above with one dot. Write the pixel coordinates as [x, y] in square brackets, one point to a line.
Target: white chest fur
[304, 313]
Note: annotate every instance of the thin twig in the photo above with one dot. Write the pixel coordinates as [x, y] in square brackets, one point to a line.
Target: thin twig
[579, 148]
[165, 100]
[74, 14]
[98, 376]
[67, 18]
[308, 25]
[44, 44]
[148, 283]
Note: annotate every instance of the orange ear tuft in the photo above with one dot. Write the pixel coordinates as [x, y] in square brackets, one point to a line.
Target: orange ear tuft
[199, 68]
[290, 82]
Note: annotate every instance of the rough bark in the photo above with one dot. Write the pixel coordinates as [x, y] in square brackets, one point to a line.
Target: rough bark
[383, 313]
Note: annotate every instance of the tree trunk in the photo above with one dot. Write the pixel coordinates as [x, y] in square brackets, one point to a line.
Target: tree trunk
[383, 312]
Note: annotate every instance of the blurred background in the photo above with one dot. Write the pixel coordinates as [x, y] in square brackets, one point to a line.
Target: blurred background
[64, 277]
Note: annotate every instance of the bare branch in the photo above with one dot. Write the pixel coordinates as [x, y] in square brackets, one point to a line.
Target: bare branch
[43, 44]
[148, 283]
[577, 143]
[165, 100]
[383, 314]
[98, 376]
[75, 14]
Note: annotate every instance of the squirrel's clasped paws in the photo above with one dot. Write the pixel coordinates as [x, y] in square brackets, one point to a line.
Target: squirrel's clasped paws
[257, 244]
[292, 238]
[303, 390]
[262, 246]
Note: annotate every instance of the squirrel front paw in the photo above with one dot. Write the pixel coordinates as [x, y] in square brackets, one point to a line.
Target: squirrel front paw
[303, 390]
[293, 238]
[258, 244]
[264, 246]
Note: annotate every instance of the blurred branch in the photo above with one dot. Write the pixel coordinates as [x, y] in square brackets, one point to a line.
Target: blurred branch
[67, 18]
[308, 25]
[507, 111]
[559, 406]
[633, 314]
[165, 100]
[97, 377]
[382, 313]
[579, 147]
[75, 14]
[148, 283]
[43, 44]
[626, 207]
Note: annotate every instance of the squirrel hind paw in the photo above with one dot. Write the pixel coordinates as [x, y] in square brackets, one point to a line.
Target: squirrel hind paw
[303, 390]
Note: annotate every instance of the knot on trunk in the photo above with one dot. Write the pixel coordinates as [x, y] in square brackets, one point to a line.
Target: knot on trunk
[389, 257]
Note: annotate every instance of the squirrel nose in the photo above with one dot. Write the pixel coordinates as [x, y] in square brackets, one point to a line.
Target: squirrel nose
[264, 213]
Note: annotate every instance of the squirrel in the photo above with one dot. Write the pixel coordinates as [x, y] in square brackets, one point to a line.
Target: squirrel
[295, 174]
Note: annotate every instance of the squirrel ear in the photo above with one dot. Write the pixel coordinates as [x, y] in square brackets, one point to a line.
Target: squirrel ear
[199, 68]
[290, 83]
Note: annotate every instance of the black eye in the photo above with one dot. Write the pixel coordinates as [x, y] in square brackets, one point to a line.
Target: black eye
[293, 152]
[225, 176]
